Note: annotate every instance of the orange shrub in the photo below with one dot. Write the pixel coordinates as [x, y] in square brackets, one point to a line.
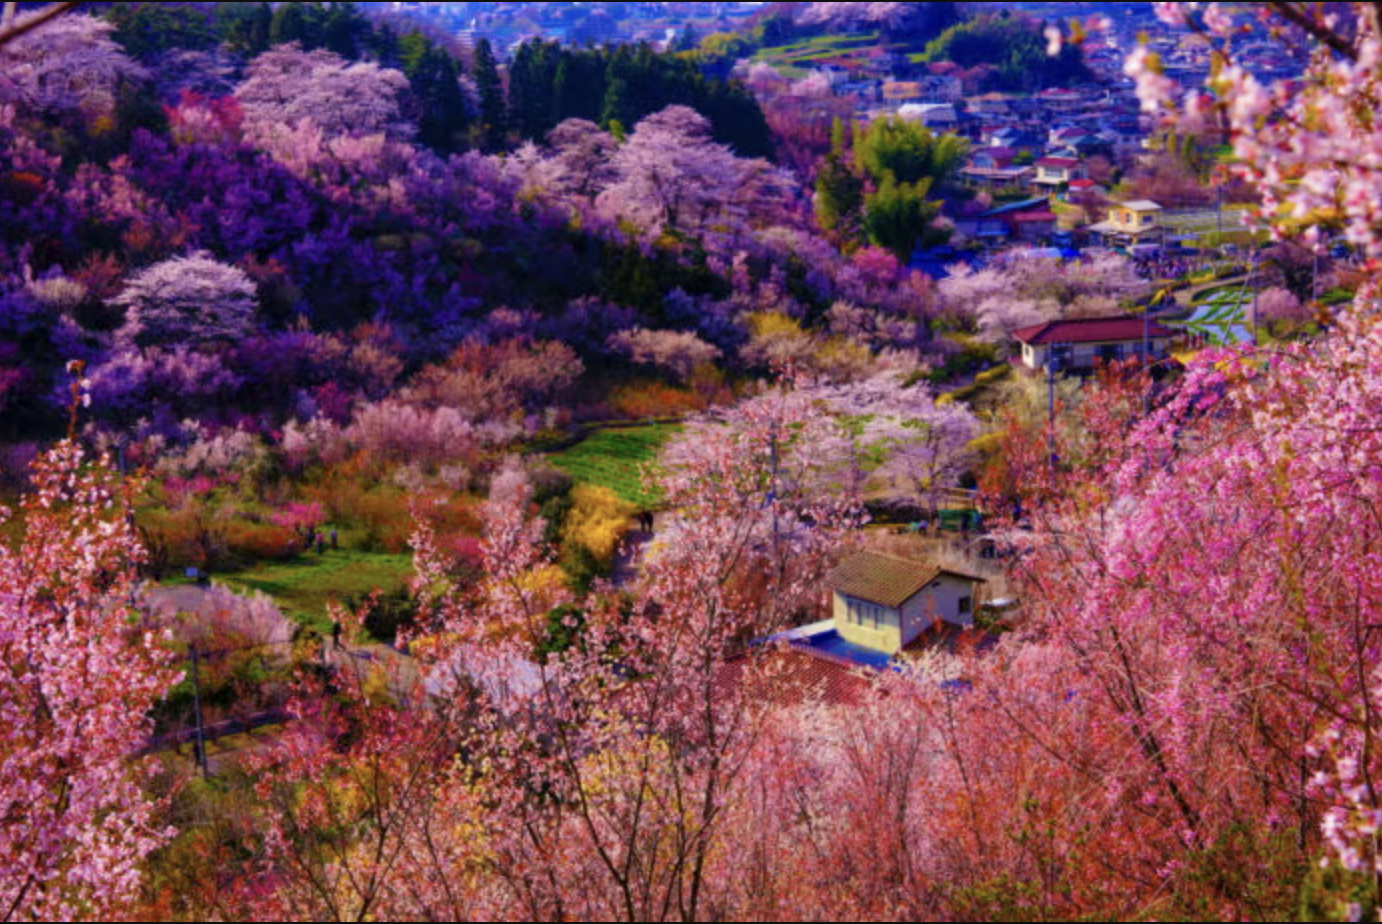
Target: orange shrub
[655, 399]
[249, 542]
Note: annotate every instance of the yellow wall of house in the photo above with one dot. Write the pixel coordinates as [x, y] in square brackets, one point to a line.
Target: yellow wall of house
[1131, 222]
[887, 639]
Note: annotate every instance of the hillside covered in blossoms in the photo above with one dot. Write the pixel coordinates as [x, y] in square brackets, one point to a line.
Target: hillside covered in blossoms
[669, 462]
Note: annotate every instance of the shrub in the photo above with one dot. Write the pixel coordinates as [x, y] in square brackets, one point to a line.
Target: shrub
[655, 399]
[249, 542]
[597, 521]
[386, 613]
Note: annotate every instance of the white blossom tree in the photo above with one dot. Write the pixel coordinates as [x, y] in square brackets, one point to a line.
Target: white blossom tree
[674, 178]
[287, 86]
[580, 164]
[676, 352]
[187, 300]
[918, 448]
[69, 65]
[887, 15]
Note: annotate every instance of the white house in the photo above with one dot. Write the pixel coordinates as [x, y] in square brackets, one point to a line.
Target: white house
[1083, 343]
[935, 116]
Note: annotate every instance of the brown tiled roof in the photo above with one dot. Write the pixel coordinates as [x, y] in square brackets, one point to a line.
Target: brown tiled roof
[885, 580]
[789, 675]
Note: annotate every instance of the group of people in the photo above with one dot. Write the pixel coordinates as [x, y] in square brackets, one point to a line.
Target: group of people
[1162, 268]
[311, 536]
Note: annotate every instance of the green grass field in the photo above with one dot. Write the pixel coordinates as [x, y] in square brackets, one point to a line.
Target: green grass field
[615, 459]
[303, 587]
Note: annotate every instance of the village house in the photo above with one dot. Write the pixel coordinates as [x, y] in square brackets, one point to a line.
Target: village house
[1130, 224]
[885, 611]
[902, 92]
[1030, 221]
[835, 74]
[883, 606]
[994, 168]
[1081, 345]
[939, 117]
[1052, 173]
[1015, 140]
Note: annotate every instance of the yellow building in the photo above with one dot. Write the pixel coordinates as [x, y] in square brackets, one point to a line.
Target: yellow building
[884, 603]
[1130, 223]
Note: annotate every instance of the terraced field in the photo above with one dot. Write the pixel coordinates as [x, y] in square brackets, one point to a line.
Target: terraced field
[798, 59]
[1222, 319]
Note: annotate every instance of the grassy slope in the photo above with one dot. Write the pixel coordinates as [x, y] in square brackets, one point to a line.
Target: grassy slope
[615, 459]
[305, 586]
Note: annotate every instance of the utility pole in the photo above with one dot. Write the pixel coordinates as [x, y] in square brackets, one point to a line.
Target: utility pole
[1052, 367]
[200, 742]
[1219, 191]
[1315, 279]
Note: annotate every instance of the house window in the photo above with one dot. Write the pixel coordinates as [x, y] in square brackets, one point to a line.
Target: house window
[966, 605]
[868, 615]
[1146, 219]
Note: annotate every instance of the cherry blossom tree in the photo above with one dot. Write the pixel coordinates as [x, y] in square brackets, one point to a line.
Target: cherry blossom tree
[1308, 146]
[674, 178]
[603, 747]
[843, 14]
[78, 677]
[65, 66]
[287, 86]
[677, 352]
[581, 157]
[919, 448]
[1020, 292]
[188, 300]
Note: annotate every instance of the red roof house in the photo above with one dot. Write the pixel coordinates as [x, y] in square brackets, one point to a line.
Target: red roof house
[1083, 343]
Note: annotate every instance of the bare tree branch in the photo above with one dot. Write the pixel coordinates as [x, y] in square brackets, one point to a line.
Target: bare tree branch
[1299, 17]
[11, 29]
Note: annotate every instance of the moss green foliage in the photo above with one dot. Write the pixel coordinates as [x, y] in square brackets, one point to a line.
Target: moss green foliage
[615, 459]
[909, 152]
[839, 190]
[1015, 50]
[906, 161]
[898, 216]
[549, 83]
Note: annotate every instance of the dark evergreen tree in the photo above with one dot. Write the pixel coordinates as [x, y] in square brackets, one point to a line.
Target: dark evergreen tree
[494, 127]
[621, 98]
[579, 87]
[533, 108]
[443, 118]
[385, 45]
[148, 30]
[261, 29]
[342, 29]
[291, 24]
